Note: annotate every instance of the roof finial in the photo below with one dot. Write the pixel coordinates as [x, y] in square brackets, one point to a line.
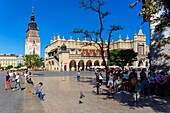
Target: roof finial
[32, 10]
[140, 26]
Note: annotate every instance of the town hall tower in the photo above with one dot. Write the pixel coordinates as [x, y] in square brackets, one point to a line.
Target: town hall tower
[32, 41]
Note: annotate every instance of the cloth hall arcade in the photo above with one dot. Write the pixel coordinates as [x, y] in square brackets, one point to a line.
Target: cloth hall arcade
[72, 55]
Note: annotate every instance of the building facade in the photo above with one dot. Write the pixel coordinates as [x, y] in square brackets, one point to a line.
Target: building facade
[11, 59]
[20, 60]
[72, 55]
[32, 41]
[8, 59]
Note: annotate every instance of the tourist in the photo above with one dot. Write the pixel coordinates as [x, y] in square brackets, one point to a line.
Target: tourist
[161, 80]
[25, 74]
[125, 81]
[136, 94]
[7, 82]
[17, 81]
[14, 75]
[29, 80]
[117, 84]
[133, 80]
[97, 75]
[144, 80]
[38, 90]
[110, 82]
[100, 81]
[152, 80]
[78, 75]
[11, 73]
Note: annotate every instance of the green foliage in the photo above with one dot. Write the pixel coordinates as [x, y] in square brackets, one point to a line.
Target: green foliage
[114, 57]
[32, 61]
[151, 7]
[19, 65]
[9, 67]
[122, 57]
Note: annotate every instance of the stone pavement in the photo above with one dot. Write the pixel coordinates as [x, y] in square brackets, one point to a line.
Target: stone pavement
[63, 95]
[18, 101]
[10, 102]
[31, 104]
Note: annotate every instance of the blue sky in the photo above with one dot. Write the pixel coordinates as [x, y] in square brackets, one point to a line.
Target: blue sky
[61, 17]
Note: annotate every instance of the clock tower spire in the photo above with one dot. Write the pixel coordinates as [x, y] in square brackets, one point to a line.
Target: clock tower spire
[32, 24]
[32, 41]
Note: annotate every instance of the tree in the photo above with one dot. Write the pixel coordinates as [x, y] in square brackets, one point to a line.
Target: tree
[150, 8]
[157, 13]
[114, 57]
[122, 57]
[97, 35]
[32, 61]
[19, 65]
[9, 67]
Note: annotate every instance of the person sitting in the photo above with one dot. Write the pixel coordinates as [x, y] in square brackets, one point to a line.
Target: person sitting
[38, 90]
[117, 84]
[29, 80]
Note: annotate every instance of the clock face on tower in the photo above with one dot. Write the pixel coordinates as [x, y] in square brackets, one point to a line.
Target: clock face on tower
[34, 33]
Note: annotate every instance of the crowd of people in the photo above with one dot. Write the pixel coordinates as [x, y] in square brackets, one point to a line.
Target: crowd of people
[137, 84]
[16, 77]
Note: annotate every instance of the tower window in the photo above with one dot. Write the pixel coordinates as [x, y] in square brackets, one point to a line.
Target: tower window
[34, 41]
[34, 51]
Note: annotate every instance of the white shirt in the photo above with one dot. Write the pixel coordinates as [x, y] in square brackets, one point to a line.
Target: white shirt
[10, 74]
[25, 75]
[17, 78]
[100, 77]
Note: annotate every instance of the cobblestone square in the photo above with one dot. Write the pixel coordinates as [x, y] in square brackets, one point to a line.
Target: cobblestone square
[63, 95]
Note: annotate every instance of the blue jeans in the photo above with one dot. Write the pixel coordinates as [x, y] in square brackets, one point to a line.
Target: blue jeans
[144, 85]
[40, 94]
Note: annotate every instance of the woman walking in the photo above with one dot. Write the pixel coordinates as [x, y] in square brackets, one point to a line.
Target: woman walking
[7, 82]
[17, 79]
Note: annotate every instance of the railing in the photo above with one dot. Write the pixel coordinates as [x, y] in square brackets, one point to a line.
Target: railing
[83, 57]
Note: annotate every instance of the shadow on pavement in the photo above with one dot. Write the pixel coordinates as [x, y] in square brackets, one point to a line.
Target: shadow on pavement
[157, 103]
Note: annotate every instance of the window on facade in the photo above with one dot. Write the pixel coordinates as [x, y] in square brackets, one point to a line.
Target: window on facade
[140, 50]
[91, 53]
[76, 52]
[84, 53]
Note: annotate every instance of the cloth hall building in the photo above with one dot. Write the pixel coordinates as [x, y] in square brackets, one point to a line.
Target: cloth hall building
[72, 55]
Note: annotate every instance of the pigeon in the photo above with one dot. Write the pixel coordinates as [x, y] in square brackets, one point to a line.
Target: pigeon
[81, 95]
[80, 102]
